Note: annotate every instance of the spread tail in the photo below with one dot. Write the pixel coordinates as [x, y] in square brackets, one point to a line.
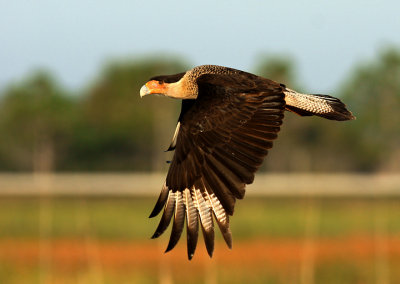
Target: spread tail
[321, 105]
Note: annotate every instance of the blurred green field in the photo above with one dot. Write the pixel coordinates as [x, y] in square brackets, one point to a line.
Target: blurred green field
[276, 240]
[127, 218]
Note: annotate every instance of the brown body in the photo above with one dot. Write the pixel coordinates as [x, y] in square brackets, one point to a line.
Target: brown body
[228, 121]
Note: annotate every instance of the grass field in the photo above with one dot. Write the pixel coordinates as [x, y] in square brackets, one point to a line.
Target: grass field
[276, 240]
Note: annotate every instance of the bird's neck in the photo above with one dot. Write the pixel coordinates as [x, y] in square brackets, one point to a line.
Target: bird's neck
[183, 89]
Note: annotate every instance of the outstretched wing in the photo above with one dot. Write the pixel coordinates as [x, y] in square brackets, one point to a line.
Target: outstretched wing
[223, 138]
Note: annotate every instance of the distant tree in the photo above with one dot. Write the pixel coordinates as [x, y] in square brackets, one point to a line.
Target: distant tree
[307, 143]
[373, 92]
[278, 68]
[117, 129]
[35, 117]
[292, 150]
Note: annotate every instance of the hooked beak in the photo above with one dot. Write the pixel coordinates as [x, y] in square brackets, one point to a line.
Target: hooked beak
[144, 91]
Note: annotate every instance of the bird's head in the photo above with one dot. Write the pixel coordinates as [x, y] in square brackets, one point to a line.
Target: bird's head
[154, 87]
[174, 86]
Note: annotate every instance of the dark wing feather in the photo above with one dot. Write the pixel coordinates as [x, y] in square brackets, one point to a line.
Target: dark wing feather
[160, 202]
[167, 215]
[223, 138]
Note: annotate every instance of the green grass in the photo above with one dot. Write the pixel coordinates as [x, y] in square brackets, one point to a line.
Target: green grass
[127, 218]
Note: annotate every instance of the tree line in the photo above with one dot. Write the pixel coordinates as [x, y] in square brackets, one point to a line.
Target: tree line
[107, 127]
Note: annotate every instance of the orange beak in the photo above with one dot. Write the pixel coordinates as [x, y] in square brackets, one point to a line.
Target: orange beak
[153, 87]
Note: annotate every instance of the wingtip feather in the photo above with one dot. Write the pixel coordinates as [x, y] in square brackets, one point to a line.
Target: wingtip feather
[167, 215]
[162, 199]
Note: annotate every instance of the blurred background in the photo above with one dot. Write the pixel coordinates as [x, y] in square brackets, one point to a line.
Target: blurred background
[82, 161]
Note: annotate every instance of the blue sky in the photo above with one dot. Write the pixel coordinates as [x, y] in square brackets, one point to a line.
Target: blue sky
[74, 38]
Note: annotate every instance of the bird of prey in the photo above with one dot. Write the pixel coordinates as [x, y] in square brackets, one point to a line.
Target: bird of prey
[228, 122]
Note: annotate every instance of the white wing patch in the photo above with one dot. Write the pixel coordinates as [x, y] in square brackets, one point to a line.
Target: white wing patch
[174, 138]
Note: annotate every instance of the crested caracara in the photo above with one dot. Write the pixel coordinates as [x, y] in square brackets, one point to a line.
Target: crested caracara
[228, 122]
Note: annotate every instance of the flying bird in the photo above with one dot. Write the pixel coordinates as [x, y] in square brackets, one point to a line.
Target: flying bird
[228, 122]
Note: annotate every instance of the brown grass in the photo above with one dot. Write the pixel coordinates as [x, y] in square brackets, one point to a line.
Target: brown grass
[71, 254]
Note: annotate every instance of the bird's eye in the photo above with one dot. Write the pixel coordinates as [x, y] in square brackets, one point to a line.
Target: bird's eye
[161, 82]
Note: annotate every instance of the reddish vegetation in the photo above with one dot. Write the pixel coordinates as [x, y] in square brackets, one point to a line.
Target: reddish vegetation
[72, 254]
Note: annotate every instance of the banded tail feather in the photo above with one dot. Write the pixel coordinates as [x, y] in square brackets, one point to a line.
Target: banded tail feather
[320, 105]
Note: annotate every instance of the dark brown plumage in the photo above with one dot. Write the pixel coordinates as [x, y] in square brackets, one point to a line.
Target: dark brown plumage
[228, 121]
